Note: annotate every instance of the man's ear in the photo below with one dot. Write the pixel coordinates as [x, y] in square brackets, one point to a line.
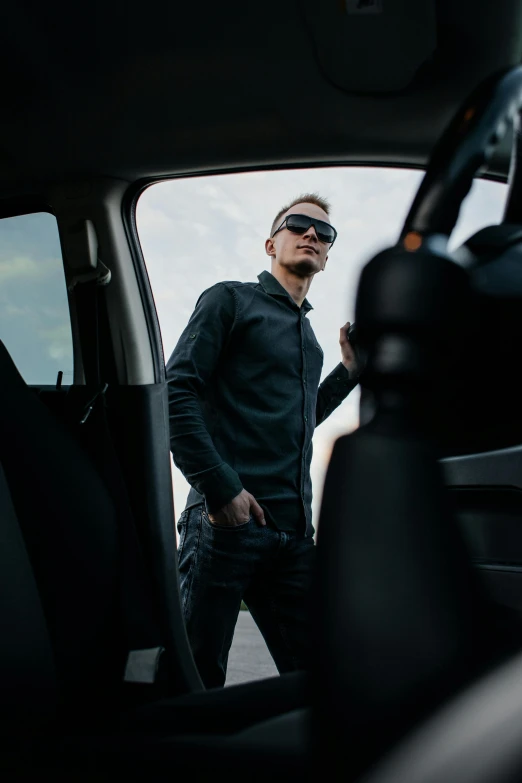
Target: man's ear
[270, 248]
[324, 265]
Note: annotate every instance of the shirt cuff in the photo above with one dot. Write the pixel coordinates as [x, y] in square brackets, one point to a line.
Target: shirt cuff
[218, 486]
[343, 377]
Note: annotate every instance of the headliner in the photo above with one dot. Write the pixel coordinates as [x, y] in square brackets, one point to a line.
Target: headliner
[138, 91]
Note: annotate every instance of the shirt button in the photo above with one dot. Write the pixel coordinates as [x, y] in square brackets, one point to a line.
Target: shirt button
[192, 336]
[306, 418]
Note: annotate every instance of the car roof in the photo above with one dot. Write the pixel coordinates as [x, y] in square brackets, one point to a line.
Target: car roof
[155, 89]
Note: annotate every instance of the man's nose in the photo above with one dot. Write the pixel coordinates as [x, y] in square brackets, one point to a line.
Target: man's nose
[310, 233]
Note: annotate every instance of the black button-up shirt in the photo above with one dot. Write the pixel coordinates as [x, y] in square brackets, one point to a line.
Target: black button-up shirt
[244, 400]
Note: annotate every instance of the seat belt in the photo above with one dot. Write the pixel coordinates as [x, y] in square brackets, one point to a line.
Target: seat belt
[142, 626]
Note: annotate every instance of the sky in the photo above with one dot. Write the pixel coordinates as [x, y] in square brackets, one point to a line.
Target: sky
[34, 313]
[198, 231]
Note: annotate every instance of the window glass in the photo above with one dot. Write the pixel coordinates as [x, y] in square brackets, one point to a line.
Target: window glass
[34, 313]
[199, 231]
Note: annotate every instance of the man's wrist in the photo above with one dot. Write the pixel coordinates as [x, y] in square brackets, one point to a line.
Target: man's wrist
[352, 370]
[218, 486]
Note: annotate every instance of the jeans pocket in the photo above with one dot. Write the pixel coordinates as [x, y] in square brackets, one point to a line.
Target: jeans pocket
[226, 528]
[182, 530]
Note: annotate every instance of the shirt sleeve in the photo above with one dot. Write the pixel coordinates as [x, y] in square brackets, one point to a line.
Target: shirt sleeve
[333, 390]
[189, 369]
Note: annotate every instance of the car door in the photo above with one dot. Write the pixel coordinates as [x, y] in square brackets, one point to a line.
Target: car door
[51, 253]
[486, 494]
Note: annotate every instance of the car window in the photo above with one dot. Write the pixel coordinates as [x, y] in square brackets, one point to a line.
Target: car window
[34, 314]
[199, 231]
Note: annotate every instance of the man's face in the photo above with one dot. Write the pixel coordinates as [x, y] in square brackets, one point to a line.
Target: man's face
[302, 254]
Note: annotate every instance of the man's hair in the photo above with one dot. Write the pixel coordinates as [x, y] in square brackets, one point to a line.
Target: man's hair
[304, 198]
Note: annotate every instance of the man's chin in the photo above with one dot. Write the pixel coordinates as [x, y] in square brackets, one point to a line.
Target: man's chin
[303, 267]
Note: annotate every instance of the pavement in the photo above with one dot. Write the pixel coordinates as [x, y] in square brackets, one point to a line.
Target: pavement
[249, 658]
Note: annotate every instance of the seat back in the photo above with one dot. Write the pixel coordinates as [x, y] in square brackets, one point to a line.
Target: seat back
[27, 670]
[69, 527]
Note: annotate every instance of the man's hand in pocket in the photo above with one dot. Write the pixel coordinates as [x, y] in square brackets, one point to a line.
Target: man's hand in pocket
[239, 511]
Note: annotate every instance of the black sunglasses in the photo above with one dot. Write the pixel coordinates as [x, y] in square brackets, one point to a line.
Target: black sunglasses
[299, 224]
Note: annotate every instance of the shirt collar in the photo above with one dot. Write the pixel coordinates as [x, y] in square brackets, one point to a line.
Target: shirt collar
[273, 287]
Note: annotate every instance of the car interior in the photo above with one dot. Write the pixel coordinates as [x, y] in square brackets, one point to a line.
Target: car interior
[418, 602]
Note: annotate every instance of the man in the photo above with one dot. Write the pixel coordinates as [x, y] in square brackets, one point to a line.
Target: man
[244, 399]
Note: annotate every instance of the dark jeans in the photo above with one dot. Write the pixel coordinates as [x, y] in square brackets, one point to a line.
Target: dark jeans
[270, 570]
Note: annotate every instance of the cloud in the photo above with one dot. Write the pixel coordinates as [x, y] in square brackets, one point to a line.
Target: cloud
[15, 310]
[230, 210]
[57, 339]
[19, 266]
